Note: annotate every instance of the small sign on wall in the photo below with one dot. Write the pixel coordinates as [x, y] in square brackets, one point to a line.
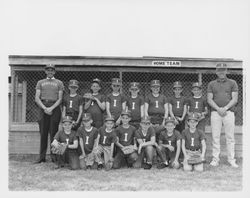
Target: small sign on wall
[167, 63]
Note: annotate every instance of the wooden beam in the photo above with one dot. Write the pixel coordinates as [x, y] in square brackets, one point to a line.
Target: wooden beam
[24, 100]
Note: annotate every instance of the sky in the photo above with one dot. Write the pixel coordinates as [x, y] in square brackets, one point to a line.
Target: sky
[170, 28]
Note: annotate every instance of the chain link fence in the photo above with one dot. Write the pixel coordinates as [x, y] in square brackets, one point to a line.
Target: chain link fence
[25, 110]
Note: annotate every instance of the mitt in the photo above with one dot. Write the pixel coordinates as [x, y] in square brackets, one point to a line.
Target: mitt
[88, 96]
[195, 158]
[128, 149]
[60, 149]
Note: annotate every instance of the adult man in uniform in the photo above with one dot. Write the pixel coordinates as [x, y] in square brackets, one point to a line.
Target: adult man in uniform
[222, 96]
[48, 97]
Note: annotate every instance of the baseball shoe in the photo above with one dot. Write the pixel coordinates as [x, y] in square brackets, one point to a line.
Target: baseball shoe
[214, 162]
[100, 166]
[39, 161]
[162, 165]
[147, 166]
[233, 164]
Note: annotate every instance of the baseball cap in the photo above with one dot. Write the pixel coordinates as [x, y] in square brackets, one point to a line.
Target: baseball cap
[52, 66]
[73, 83]
[86, 117]
[126, 112]
[116, 81]
[196, 84]
[145, 119]
[67, 119]
[193, 116]
[109, 118]
[169, 119]
[154, 83]
[96, 80]
[134, 85]
[177, 84]
[221, 67]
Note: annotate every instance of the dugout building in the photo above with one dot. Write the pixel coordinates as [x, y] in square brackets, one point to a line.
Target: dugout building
[27, 70]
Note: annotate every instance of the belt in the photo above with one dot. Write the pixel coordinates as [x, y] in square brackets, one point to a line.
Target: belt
[193, 149]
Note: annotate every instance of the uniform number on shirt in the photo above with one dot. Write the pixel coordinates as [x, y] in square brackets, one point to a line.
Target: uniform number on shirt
[104, 139]
[92, 103]
[70, 103]
[196, 104]
[87, 140]
[114, 103]
[178, 104]
[156, 104]
[133, 105]
[169, 142]
[192, 141]
[126, 137]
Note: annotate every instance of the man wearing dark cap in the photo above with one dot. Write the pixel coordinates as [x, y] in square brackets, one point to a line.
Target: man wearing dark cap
[222, 96]
[48, 97]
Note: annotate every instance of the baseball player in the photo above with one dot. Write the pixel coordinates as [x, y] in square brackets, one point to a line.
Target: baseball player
[73, 104]
[106, 140]
[49, 93]
[198, 104]
[67, 136]
[88, 140]
[156, 105]
[170, 145]
[145, 137]
[193, 145]
[178, 106]
[135, 104]
[95, 103]
[125, 142]
[116, 101]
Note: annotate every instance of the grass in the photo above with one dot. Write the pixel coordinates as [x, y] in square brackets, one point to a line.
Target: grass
[25, 176]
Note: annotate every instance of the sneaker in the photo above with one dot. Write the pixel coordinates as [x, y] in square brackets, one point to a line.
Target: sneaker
[148, 166]
[162, 165]
[99, 167]
[214, 162]
[233, 164]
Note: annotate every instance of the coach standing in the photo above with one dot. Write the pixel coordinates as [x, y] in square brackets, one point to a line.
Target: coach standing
[48, 97]
[222, 96]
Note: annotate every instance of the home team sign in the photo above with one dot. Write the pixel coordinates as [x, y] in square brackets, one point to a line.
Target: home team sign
[166, 63]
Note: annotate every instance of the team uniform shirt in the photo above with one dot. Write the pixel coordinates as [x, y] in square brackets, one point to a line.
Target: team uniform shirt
[147, 137]
[94, 109]
[106, 138]
[116, 104]
[222, 91]
[156, 104]
[62, 137]
[72, 105]
[125, 135]
[49, 88]
[178, 105]
[193, 140]
[197, 104]
[88, 138]
[134, 105]
[170, 140]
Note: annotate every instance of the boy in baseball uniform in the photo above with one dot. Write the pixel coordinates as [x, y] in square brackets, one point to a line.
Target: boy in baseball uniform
[193, 145]
[88, 140]
[125, 142]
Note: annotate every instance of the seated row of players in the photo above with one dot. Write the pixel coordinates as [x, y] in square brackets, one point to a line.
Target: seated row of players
[155, 105]
[135, 147]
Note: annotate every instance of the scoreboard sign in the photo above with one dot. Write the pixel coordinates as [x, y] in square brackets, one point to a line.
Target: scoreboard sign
[167, 63]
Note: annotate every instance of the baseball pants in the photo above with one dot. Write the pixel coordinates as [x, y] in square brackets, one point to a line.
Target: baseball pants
[87, 161]
[120, 158]
[106, 151]
[146, 153]
[168, 156]
[70, 157]
[188, 167]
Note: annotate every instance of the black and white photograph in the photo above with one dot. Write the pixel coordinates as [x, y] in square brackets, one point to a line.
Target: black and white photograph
[125, 96]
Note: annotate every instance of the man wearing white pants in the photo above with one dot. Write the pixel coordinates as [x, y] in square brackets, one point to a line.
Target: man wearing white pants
[222, 96]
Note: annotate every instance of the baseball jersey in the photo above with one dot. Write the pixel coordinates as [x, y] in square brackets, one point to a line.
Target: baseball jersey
[193, 140]
[61, 137]
[156, 104]
[88, 138]
[72, 104]
[170, 140]
[197, 104]
[147, 137]
[125, 135]
[94, 109]
[106, 138]
[116, 104]
[178, 105]
[134, 105]
[222, 91]
[49, 88]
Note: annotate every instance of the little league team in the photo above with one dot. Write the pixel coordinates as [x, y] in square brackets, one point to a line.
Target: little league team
[114, 131]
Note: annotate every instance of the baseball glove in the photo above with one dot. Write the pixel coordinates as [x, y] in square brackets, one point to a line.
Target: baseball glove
[88, 96]
[128, 149]
[195, 158]
[60, 149]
